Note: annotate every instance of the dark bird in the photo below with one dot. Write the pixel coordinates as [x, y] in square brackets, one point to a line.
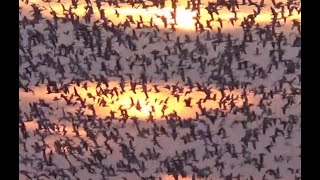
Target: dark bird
[188, 102]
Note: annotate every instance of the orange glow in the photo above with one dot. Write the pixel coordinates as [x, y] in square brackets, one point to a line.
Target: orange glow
[170, 177]
[155, 100]
[185, 17]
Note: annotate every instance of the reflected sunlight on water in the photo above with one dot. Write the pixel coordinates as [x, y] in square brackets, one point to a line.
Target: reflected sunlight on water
[185, 17]
[164, 102]
[170, 177]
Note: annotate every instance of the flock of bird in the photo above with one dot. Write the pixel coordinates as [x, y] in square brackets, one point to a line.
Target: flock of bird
[106, 94]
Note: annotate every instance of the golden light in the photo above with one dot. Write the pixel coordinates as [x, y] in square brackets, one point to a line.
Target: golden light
[170, 177]
[158, 103]
[184, 17]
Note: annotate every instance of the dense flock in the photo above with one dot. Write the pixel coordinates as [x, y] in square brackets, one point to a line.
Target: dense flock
[160, 89]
